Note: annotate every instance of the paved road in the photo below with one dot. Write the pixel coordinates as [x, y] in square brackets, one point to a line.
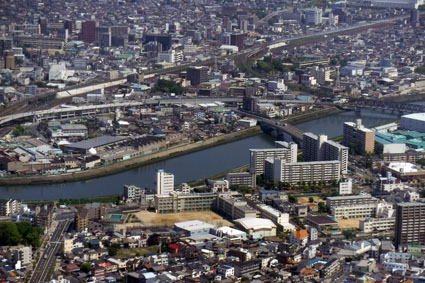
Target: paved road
[48, 258]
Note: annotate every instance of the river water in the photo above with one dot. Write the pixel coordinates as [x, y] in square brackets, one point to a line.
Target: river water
[195, 165]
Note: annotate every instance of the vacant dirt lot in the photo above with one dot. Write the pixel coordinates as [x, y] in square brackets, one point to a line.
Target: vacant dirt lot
[150, 218]
[307, 199]
[349, 223]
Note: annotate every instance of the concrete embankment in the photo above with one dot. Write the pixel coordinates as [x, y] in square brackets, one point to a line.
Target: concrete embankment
[135, 162]
[312, 115]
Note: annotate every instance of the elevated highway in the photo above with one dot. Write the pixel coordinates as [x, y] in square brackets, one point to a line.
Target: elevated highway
[93, 110]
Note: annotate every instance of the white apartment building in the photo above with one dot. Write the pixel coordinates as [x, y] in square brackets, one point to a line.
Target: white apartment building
[133, 193]
[395, 266]
[395, 257]
[313, 171]
[258, 156]
[24, 254]
[9, 207]
[164, 182]
[226, 270]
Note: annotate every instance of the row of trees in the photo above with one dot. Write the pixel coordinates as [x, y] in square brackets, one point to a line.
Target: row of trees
[271, 65]
[20, 233]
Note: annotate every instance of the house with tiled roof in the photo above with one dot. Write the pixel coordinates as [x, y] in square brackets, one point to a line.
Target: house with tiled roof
[299, 237]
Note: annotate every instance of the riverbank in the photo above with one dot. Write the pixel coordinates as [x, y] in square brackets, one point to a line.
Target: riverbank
[220, 175]
[312, 115]
[135, 162]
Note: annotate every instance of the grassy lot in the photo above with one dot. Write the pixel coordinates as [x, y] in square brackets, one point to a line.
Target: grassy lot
[124, 253]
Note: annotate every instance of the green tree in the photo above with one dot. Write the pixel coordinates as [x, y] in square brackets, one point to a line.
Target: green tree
[86, 267]
[420, 70]
[241, 189]
[349, 234]
[113, 249]
[169, 87]
[30, 234]
[354, 148]
[292, 199]
[379, 148]
[310, 200]
[9, 234]
[421, 161]
[322, 207]
[19, 130]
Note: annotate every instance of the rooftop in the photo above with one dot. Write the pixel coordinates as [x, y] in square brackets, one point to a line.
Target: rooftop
[300, 234]
[250, 223]
[417, 116]
[96, 142]
[193, 225]
[321, 220]
[403, 167]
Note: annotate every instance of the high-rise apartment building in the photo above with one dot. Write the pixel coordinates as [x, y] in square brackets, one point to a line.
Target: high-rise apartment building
[336, 151]
[258, 156]
[88, 31]
[164, 182]
[319, 148]
[363, 138]
[410, 224]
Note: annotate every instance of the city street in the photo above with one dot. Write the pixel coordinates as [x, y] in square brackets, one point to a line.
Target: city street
[48, 257]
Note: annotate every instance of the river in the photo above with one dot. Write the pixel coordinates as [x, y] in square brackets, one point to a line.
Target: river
[195, 165]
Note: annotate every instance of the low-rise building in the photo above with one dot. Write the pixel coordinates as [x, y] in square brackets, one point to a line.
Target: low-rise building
[179, 202]
[234, 208]
[350, 200]
[322, 223]
[257, 227]
[354, 211]
[193, 227]
[370, 225]
[299, 237]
